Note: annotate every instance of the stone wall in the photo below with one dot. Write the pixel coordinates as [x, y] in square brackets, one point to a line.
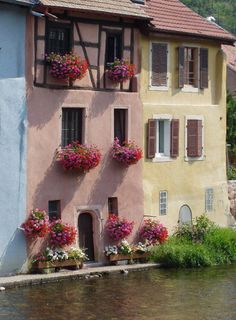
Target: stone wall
[232, 197]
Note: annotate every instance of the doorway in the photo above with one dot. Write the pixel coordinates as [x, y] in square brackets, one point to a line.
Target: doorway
[85, 226]
[185, 215]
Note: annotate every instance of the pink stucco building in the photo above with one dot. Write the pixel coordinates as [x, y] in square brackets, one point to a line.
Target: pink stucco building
[93, 110]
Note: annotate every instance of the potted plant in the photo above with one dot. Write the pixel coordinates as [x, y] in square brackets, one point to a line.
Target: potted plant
[118, 228]
[61, 234]
[67, 66]
[128, 153]
[76, 156]
[153, 232]
[120, 70]
[37, 224]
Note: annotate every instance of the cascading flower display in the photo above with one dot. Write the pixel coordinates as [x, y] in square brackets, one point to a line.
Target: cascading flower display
[120, 70]
[128, 153]
[153, 231]
[61, 234]
[118, 228]
[67, 66]
[78, 156]
[37, 224]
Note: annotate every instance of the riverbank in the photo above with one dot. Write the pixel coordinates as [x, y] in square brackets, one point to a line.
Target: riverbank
[89, 271]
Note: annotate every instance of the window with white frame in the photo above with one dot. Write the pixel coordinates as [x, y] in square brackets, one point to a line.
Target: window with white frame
[194, 138]
[193, 67]
[163, 203]
[158, 65]
[163, 137]
[209, 199]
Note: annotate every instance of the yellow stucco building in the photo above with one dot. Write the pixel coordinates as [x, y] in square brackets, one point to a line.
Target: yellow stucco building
[184, 112]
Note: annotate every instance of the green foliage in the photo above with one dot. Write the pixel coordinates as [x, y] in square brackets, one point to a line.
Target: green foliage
[231, 123]
[188, 248]
[231, 173]
[224, 11]
[197, 231]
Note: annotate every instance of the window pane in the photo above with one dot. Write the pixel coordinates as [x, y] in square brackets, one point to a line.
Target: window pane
[72, 122]
[58, 38]
[113, 47]
[120, 116]
[113, 205]
[161, 136]
[163, 202]
[54, 209]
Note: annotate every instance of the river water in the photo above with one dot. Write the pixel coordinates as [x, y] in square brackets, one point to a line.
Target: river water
[202, 294]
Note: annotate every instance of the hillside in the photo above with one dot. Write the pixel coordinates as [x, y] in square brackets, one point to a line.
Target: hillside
[224, 11]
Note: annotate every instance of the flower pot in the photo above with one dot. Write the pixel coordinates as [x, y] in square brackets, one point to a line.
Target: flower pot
[46, 266]
[139, 257]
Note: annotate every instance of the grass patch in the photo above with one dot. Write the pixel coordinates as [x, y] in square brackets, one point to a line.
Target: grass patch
[197, 247]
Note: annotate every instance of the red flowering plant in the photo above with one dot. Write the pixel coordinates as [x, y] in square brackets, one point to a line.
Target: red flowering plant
[78, 156]
[120, 70]
[118, 228]
[61, 234]
[37, 224]
[128, 153]
[67, 66]
[153, 232]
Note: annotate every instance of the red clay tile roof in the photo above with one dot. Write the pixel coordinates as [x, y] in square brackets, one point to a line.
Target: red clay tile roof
[122, 7]
[173, 16]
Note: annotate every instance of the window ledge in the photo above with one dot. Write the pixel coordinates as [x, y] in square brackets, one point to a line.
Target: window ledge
[156, 88]
[162, 159]
[190, 89]
[188, 159]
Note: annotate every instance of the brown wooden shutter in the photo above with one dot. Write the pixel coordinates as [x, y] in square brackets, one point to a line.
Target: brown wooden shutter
[174, 136]
[181, 67]
[151, 146]
[194, 138]
[203, 68]
[159, 64]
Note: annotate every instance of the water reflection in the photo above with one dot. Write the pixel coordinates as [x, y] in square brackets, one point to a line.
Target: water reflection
[203, 294]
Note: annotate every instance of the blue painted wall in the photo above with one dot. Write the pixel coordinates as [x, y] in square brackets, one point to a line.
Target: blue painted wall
[13, 121]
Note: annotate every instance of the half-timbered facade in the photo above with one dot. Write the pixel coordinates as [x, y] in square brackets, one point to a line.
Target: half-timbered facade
[93, 110]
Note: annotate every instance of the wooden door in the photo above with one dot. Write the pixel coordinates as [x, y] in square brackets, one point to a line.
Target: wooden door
[85, 226]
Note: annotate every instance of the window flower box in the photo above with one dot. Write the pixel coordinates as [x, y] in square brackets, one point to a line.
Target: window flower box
[128, 153]
[66, 67]
[50, 266]
[134, 256]
[120, 70]
[79, 157]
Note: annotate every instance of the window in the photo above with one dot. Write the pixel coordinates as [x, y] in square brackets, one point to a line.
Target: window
[113, 205]
[194, 138]
[72, 125]
[113, 46]
[193, 67]
[54, 209]
[163, 203]
[163, 137]
[209, 198]
[158, 67]
[120, 124]
[58, 38]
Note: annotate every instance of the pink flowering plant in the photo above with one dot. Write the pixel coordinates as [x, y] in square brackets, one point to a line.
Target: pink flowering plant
[120, 70]
[128, 153]
[76, 156]
[118, 228]
[61, 234]
[37, 224]
[153, 232]
[67, 66]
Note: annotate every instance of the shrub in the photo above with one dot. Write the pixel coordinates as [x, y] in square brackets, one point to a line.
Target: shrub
[118, 228]
[67, 66]
[153, 231]
[37, 224]
[76, 156]
[231, 173]
[120, 70]
[128, 153]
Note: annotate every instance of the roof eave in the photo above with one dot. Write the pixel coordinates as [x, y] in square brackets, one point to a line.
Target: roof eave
[222, 40]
